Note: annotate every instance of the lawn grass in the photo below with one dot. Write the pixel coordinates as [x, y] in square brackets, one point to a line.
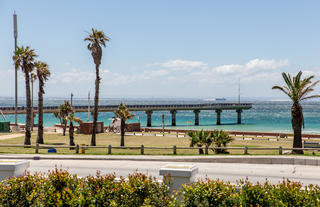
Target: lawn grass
[106, 139]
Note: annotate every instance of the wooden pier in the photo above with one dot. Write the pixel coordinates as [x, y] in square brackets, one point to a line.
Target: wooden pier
[173, 108]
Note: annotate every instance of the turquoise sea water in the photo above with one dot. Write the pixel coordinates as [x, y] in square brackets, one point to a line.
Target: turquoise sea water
[264, 116]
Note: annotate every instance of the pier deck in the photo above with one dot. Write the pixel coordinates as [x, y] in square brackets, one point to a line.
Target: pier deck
[173, 108]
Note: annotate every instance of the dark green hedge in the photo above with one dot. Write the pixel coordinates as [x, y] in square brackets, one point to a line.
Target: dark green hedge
[59, 188]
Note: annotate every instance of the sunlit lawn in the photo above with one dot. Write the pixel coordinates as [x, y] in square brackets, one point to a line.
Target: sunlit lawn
[148, 141]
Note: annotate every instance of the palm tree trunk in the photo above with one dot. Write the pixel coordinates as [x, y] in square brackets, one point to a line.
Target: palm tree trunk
[200, 150]
[296, 121]
[71, 134]
[123, 126]
[95, 111]
[64, 127]
[27, 140]
[32, 113]
[40, 113]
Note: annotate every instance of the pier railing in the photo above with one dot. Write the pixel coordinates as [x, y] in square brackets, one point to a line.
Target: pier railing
[144, 107]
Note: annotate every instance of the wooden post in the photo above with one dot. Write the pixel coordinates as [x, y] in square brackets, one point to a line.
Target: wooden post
[206, 150]
[37, 148]
[109, 149]
[142, 150]
[246, 150]
[174, 149]
[77, 149]
[280, 150]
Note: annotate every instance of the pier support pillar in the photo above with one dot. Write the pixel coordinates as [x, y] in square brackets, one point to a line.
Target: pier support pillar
[173, 117]
[218, 111]
[148, 118]
[196, 117]
[239, 116]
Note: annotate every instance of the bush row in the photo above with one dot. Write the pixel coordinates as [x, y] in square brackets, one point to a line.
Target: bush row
[59, 188]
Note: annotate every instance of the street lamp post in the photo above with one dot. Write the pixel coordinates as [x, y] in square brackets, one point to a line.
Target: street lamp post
[71, 98]
[15, 32]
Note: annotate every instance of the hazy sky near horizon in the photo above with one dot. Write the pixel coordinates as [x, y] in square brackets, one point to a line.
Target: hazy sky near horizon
[165, 48]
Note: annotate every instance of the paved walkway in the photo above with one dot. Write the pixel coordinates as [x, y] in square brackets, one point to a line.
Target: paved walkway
[10, 136]
[224, 171]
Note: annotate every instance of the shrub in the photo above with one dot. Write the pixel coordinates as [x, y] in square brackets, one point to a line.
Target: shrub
[220, 139]
[209, 193]
[59, 188]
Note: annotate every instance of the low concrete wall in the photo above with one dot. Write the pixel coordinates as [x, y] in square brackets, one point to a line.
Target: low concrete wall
[10, 168]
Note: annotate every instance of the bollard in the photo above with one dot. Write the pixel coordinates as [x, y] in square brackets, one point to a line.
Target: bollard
[37, 148]
[77, 149]
[174, 149]
[109, 149]
[280, 150]
[206, 150]
[142, 150]
[82, 149]
[246, 150]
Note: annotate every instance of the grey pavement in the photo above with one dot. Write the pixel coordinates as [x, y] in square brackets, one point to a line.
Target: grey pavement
[224, 171]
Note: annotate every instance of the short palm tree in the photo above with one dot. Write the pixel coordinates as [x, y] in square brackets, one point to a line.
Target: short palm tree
[62, 113]
[24, 59]
[43, 74]
[220, 138]
[96, 39]
[124, 114]
[297, 90]
[71, 118]
[200, 138]
[33, 78]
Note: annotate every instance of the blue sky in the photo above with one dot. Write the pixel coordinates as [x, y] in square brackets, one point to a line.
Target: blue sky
[165, 48]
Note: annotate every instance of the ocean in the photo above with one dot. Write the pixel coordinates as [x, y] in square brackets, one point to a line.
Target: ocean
[265, 116]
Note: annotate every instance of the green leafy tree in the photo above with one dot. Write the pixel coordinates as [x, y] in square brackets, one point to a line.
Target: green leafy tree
[43, 74]
[199, 139]
[24, 59]
[96, 39]
[220, 138]
[297, 89]
[62, 113]
[124, 114]
[71, 118]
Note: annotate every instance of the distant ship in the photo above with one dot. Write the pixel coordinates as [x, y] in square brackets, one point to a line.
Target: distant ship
[215, 99]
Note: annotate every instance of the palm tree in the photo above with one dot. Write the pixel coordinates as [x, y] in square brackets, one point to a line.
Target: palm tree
[71, 118]
[297, 90]
[96, 39]
[24, 58]
[43, 74]
[124, 114]
[33, 78]
[62, 113]
[200, 138]
[220, 139]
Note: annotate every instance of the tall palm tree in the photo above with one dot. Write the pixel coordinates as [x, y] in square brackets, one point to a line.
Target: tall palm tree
[96, 39]
[124, 114]
[43, 74]
[33, 78]
[297, 90]
[71, 118]
[24, 58]
[62, 113]
[200, 138]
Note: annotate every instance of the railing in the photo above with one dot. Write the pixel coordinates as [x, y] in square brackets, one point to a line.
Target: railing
[81, 148]
[164, 106]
